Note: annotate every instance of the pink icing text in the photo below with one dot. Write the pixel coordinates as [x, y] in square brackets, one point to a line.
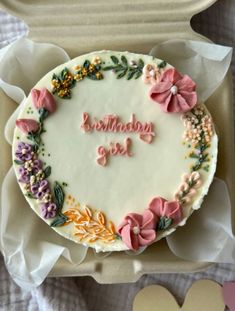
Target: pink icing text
[114, 149]
[112, 123]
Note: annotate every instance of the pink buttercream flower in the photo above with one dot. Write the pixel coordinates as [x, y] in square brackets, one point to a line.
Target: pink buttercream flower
[163, 208]
[43, 99]
[138, 230]
[174, 92]
[27, 125]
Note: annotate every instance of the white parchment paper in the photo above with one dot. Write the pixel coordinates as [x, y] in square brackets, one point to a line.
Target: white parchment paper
[209, 232]
[29, 246]
[207, 64]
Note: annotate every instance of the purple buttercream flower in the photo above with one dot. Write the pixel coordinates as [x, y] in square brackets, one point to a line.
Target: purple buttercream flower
[37, 166]
[40, 189]
[33, 166]
[48, 210]
[24, 175]
[24, 152]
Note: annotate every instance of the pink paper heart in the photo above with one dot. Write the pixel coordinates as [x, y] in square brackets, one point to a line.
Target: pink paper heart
[102, 161]
[229, 295]
[148, 138]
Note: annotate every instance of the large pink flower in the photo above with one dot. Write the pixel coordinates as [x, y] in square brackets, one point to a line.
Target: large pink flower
[43, 99]
[138, 230]
[174, 92]
[27, 125]
[163, 208]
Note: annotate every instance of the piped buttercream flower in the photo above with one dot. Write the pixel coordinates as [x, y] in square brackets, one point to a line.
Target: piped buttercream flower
[96, 60]
[43, 99]
[138, 230]
[27, 125]
[174, 92]
[151, 74]
[24, 175]
[24, 152]
[48, 210]
[40, 189]
[37, 165]
[188, 188]
[162, 208]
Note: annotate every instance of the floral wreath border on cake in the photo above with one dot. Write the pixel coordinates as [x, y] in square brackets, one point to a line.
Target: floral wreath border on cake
[174, 93]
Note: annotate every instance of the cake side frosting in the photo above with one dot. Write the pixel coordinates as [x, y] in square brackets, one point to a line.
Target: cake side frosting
[113, 151]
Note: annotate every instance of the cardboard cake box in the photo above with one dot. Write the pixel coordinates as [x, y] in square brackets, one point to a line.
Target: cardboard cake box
[136, 26]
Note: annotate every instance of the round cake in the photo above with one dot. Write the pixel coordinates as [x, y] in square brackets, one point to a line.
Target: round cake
[113, 150]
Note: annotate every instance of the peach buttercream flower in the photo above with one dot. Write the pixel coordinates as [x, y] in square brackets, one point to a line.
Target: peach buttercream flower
[151, 74]
[96, 60]
[188, 188]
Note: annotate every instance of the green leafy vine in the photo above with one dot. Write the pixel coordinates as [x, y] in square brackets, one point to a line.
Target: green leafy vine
[122, 69]
[199, 131]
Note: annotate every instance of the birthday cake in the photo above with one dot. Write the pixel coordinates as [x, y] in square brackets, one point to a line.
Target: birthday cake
[113, 150]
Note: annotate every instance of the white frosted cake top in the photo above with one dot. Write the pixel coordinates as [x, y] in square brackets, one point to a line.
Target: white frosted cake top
[113, 151]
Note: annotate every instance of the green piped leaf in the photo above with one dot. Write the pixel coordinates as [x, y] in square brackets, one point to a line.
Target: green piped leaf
[122, 74]
[119, 68]
[92, 76]
[164, 223]
[59, 220]
[43, 113]
[196, 167]
[86, 64]
[162, 64]
[35, 137]
[114, 59]
[141, 64]
[118, 237]
[124, 60]
[206, 168]
[18, 162]
[64, 73]
[47, 171]
[58, 196]
[54, 77]
[97, 67]
[35, 148]
[130, 74]
[139, 73]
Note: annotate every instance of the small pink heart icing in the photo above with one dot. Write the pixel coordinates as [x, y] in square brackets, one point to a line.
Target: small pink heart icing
[102, 161]
[148, 138]
[229, 295]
